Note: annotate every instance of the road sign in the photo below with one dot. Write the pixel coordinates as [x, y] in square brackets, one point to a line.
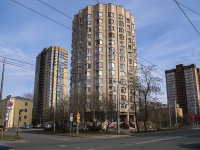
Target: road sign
[78, 121]
[71, 118]
[71, 114]
[9, 104]
[78, 114]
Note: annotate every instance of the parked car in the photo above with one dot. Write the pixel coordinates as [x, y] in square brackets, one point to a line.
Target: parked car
[47, 126]
[6, 147]
[28, 126]
[37, 126]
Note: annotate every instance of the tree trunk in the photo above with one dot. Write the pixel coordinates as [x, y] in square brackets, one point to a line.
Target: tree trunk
[145, 117]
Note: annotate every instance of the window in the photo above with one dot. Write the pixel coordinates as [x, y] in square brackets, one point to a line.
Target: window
[87, 66]
[80, 26]
[120, 16]
[88, 23]
[79, 53]
[87, 89]
[80, 39]
[99, 27]
[129, 47]
[111, 72]
[88, 51]
[111, 49]
[113, 97]
[111, 56]
[79, 60]
[110, 28]
[122, 73]
[26, 103]
[88, 43]
[99, 49]
[112, 88]
[88, 29]
[88, 16]
[25, 117]
[111, 80]
[99, 89]
[121, 23]
[99, 34]
[99, 80]
[128, 27]
[128, 33]
[100, 14]
[122, 66]
[110, 21]
[99, 57]
[88, 81]
[87, 73]
[79, 67]
[111, 65]
[79, 75]
[99, 72]
[129, 40]
[88, 58]
[80, 19]
[123, 106]
[130, 68]
[99, 65]
[122, 51]
[80, 32]
[121, 30]
[98, 42]
[111, 42]
[130, 61]
[99, 21]
[88, 36]
[123, 97]
[123, 81]
[123, 89]
[111, 35]
[121, 37]
[110, 14]
[121, 43]
[128, 20]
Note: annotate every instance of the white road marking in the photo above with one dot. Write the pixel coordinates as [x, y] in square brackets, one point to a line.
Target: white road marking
[171, 138]
[62, 146]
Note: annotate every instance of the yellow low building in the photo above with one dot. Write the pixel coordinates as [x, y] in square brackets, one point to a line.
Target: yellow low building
[16, 111]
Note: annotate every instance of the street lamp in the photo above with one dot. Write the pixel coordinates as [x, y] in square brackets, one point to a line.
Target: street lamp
[118, 109]
[19, 119]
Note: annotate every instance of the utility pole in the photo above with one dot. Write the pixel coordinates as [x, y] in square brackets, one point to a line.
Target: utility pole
[2, 79]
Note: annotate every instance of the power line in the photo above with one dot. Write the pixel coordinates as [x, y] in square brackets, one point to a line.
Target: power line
[187, 17]
[189, 8]
[94, 30]
[18, 61]
[40, 14]
[55, 9]
[64, 25]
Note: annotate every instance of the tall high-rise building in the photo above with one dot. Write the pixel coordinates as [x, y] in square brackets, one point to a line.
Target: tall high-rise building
[183, 88]
[103, 53]
[50, 82]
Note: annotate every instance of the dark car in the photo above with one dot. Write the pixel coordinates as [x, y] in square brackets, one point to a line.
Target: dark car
[6, 147]
[47, 126]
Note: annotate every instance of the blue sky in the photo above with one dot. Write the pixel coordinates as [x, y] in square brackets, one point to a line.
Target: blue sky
[164, 35]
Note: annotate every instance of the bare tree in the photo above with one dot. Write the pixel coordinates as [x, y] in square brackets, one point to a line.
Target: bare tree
[134, 91]
[28, 95]
[149, 87]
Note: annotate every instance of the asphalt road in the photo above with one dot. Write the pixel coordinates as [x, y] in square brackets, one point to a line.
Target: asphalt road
[170, 140]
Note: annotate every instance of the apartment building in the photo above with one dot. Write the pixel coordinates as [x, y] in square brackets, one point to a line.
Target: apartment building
[183, 88]
[103, 54]
[50, 82]
[11, 107]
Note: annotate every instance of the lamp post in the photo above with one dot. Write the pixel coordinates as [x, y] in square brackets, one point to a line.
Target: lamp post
[19, 119]
[176, 115]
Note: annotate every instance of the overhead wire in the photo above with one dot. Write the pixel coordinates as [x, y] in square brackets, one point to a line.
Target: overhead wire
[186, 16]
[102, 35]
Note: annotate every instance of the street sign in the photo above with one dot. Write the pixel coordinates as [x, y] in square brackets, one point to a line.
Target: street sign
[71, 118]
[78, 121]
[9, 104]
[78, 114]
[71, 114]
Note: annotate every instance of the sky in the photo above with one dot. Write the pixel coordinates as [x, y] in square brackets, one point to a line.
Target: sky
[164, 36]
